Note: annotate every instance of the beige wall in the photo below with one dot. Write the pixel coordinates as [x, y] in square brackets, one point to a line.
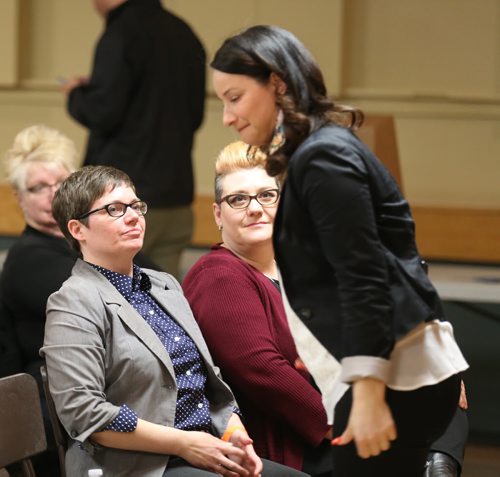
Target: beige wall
[9, 27]
[435, 66]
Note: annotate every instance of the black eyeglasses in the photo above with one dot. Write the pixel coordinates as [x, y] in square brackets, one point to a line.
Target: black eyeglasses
[242, 201]
[119, 209]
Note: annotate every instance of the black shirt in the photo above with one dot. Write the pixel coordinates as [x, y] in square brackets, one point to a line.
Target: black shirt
[145, 101]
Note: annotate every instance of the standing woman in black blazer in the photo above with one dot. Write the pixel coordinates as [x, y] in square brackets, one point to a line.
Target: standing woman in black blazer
[345, 244]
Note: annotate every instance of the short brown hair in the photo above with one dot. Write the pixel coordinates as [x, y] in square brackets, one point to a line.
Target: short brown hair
[80, 190]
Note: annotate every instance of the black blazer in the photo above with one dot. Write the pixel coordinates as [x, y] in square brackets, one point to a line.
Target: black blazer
[345, 244]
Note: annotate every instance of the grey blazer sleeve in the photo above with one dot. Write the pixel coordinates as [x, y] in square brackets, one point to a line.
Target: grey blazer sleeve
[75, 353]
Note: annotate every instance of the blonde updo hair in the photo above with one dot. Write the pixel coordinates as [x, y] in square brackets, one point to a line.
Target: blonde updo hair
[233, 158]
[38, 143]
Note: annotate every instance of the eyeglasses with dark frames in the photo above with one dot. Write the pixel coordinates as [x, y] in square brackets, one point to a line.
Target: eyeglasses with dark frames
[265, 198]
[119, 209]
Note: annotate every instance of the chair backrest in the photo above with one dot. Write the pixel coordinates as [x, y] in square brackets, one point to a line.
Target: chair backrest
[379, 134]
[60, 435]
[22, 434]
[10, 352]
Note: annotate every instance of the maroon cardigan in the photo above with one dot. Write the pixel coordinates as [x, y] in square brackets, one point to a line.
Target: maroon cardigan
[242, 319]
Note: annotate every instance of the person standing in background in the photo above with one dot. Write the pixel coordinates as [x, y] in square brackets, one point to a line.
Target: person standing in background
[142, 105]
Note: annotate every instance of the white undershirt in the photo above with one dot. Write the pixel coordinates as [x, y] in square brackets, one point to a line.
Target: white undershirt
[426, 355]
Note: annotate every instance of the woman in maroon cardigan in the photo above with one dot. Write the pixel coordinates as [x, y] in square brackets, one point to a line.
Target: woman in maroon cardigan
[234, 294]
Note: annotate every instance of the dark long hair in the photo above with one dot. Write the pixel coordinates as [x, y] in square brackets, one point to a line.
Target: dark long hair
[262, 50]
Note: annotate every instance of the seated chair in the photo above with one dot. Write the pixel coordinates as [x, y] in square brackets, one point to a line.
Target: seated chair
[22, 434]
[60, 435]
[10, 352]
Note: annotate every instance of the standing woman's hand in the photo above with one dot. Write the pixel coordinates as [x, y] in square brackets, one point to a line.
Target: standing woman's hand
[462, 402]
[370, 422]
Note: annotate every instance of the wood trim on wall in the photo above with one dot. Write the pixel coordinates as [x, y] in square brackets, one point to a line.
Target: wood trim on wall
[458, 234]
[205, 231]
[11, 217]
[379, 134]
[443, 233]
[12, 221]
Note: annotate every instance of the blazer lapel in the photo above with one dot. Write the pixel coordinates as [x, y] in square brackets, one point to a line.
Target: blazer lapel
[176, 305]
[134, 321]
[144, 332]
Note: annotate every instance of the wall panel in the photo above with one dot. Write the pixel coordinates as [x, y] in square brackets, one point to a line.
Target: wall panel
[433, 66]
[320, 29]
[451, 161]
[9, 32]
[57, 39]
[445, 48]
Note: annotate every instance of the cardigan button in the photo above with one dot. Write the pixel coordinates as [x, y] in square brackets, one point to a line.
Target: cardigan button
[305, 313]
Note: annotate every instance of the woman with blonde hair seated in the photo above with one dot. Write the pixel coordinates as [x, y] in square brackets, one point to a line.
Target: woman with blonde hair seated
[39, 260]
[235, 297]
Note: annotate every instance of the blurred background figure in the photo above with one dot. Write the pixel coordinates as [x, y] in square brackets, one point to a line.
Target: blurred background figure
[235, 296]
[142, 105]
[41, 259]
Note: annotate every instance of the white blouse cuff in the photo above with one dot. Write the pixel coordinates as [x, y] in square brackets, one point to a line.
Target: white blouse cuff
[357, 367]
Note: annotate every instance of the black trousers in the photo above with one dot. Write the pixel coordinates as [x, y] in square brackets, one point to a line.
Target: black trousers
[454, 438]
[318, 461]
[180, 468]
[421, 416]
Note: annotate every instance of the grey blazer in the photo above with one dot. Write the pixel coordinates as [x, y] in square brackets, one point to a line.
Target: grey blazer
[100, 354]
